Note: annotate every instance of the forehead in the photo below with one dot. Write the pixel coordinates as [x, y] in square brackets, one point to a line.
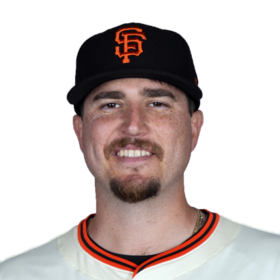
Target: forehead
[137, 85]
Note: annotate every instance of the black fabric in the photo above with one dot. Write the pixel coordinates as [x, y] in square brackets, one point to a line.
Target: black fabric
[166, 57]
[135, 259]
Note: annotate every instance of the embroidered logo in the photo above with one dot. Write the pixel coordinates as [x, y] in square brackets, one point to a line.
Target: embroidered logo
[137, 49]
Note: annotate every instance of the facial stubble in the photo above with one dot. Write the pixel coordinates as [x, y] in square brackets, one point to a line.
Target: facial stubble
[133, 190]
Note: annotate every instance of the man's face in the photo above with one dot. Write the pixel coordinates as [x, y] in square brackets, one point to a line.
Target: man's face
[137, 114]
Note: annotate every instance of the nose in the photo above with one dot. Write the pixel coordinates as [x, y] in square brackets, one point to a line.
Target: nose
[135, 121]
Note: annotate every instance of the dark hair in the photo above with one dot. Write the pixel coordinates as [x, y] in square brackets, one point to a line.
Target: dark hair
[190, 101]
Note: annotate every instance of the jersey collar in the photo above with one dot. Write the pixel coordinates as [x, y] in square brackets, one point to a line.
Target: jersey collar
[193, 242]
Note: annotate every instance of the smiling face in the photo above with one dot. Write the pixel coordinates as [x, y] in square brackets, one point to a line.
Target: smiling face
[137, 114]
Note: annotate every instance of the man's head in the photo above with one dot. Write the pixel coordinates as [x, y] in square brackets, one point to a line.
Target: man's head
[136, 89]
[137, 114]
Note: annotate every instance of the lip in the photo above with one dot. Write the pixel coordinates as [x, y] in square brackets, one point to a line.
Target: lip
[134, 159]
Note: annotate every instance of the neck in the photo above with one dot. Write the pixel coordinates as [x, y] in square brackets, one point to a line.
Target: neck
[136, 230]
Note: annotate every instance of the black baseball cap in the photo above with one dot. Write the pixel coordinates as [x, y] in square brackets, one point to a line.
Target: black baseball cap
[134, 50]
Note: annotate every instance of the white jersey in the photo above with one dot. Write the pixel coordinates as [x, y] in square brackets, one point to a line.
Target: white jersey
[221, 249]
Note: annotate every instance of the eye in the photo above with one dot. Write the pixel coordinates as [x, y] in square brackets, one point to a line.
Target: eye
[113, 105]
[159, 104]
[109, 105]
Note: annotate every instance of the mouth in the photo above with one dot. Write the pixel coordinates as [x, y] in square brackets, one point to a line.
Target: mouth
[137, 159]
[115, 154]
[131, 151]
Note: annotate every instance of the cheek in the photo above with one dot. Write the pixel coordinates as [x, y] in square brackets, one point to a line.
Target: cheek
[170, 126]
[175, 127]
[98, 135]
[175, 132]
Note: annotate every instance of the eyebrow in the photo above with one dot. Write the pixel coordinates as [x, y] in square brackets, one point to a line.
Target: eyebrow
[146, 92]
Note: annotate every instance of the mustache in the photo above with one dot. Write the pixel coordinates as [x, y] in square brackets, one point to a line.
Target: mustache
[140, 143]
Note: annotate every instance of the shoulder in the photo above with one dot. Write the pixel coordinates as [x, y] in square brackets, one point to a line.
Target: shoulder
[249, 231]
[43, 262]
[256, 244]
[241, 252]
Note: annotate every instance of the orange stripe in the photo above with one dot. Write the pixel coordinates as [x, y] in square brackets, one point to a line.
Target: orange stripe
[83, 226]
[205, 227]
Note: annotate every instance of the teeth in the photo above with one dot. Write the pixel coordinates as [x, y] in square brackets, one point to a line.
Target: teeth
[133, 153]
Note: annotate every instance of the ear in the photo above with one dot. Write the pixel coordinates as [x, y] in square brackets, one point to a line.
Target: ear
[196, 124]
[78, 127]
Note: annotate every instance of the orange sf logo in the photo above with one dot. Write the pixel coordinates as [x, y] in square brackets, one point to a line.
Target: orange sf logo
[125, 42]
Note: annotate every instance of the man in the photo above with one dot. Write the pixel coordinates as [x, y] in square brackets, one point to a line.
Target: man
[137, 98]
